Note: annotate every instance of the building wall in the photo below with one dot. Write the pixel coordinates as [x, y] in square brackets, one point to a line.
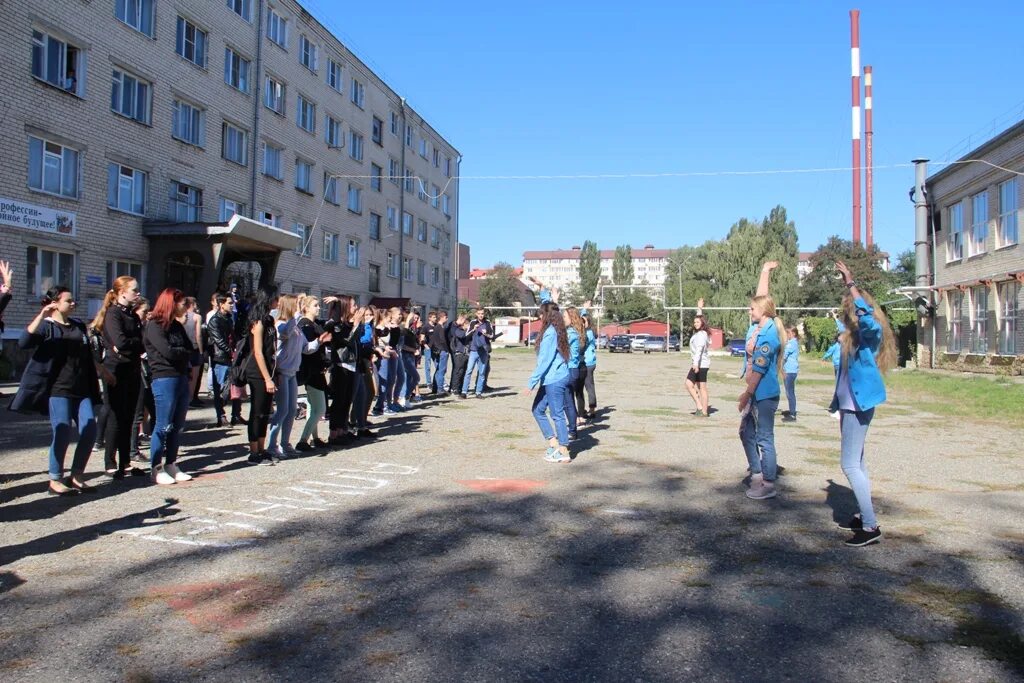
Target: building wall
[562, 268]
[85, 121]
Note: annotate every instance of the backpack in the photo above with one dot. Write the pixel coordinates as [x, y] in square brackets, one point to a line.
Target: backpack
[240, 363]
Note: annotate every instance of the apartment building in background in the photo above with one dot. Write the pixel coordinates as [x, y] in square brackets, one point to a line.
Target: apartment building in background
[199, 143]
[977, 212]
[561, 267]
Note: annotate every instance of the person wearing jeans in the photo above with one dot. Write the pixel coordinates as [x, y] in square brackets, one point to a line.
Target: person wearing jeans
[430, 358]
[478, 360]
[867, 350]
[290, 341]
[760, 400]
[219, 332]
[551, 379]
[791, 366]
[168, 349]
[438, 345]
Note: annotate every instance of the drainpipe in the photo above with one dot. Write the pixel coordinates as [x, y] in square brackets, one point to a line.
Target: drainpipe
[922, 264]
[257, 90]
[455, 214]
[401, 210]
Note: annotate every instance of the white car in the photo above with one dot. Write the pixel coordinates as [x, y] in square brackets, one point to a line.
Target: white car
[639, 341]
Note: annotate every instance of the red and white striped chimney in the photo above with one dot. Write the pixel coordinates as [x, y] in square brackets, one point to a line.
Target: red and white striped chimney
[855, 71]
[869, 232]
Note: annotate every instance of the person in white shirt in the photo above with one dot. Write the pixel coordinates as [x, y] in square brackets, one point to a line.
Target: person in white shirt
[700, 361]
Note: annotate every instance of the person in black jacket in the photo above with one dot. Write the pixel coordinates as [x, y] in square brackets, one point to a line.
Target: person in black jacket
[220, 333]
[439, 344]
[61, 379]
[121, 333]
[259, 362]
[168, 350]
[459, 336]
[342, 364]
[311, 371]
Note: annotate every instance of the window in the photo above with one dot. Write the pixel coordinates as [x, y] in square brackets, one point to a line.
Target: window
[335, 79]
[421, 230]
[355, 199]
[407, 269]
[955, 341]
[242, 8]
[357, 93]
[58, 63]
[228, 208]
[353, 253]
[393, 266]
[423, 147]
[236, 70]
[374, 277]
[979, 224]
[129, 96]
[408, 179]
[332, 131]
[188, 123]
[272, 161]
[421, 190]
[48, 268]
[378, 131]
[191, 42]
[331, 191]
[52, 168]
[1008, 213]
[1009, 293]
[126, 189]
[979, 301]
[435, 276]
[394, 173]
[136, 13]
[437, 158]
[274, 95]
[307, 53]
[355, 150]
[306, 115]
[395, 124]
[408, 135]
[421, 273]
[435, 238]
[235, 142]
[448, 166]
[330, 252]
[375, 226]
[116, 269]
[303, 176]
[435, 196]
[270, 218]
[186, 203]
[305, 233]
[376, 172]
[446, 279]
[954, 243]
[392, 218]
[277, 28]
[407, 223]
[446, 205]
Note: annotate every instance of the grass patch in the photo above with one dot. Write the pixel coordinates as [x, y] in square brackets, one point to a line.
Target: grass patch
[637, 437]
[998, 399]
[817, 455]
[507, 435]
[653, 412]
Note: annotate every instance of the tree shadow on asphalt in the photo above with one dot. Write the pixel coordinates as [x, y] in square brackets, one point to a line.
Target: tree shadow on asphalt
[567, 585]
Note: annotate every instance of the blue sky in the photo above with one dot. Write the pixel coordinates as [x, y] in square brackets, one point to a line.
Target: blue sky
[564, 88]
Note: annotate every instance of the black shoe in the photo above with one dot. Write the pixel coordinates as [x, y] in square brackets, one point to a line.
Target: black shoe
[118, 474]
[319, 443]
[221, 420]
[255, 458]
[479, 395]
[573, 437]
[99, 447]
[238, 420]
[855, 524]
[863, 537]
[463, 396]
[271, 458]
[366, 434]
[195, 403]
[789, 418]
[138, 472]
[337, 441]
[303, 447]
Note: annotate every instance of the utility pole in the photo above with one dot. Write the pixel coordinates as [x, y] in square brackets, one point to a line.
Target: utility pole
[679, 266]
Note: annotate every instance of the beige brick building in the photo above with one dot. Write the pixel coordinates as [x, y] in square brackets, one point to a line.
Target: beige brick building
[561, 267]
[978, 260]
[197, 142]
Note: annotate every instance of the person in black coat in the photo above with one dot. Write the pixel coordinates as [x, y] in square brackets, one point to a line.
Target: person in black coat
[221, 337]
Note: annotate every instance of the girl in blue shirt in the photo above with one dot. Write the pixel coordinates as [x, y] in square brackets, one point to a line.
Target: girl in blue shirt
[867, 350]
[585, 411]
[551, 379]
[791, 366]
[576, 333]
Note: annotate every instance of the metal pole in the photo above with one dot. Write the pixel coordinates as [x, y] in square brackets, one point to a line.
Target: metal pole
[869, 231]
[401, 211]
[855, 111]
[680, 267]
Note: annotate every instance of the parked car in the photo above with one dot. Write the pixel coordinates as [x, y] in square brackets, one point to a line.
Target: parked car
[673, 343]
[602, 341]
[654, 344]
[620, 342]
[737, 347]
[532, 339]
[637, 343]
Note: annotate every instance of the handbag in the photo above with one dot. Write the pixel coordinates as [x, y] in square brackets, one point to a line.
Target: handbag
[239, 364]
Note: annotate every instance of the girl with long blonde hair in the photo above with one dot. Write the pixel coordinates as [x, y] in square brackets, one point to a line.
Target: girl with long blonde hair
[289, 358]
[576, 332]
[867, 351]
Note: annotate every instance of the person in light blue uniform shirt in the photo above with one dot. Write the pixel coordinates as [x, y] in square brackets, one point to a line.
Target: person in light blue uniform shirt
[868, 349]
[791, 367]
[585, 410]
[576, 331]
[551, 377]
[760, 399]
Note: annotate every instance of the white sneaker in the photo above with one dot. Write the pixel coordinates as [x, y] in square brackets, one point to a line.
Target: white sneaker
[178, 475]
[760, 489]
[161, 477]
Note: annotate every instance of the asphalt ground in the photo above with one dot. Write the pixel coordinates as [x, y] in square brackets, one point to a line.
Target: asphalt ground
[447, 549]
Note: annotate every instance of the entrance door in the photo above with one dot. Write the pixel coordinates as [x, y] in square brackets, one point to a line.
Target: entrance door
[184, 271]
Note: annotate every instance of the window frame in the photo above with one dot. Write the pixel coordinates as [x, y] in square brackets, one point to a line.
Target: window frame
[121, 14]
[141, 103]
[1009, 294]
[373, 284]
[375, 226]
[300, 162]
[1009, 215]
[333, 240]
[377, 131]
[275, 91]
[955, 340]
[227, 127]
[332, 192]
[40, 57]
[352, 246]
[281, 27]
[193, 208]
[196, 122]
[357, 93]
[979, 320]
[356, 145]
[280, 160]
[307, 53]
[394, 267]
[182, 26]
[356, 192]
[222, 205]
[244, 8]
[333, 128]
[376, 177]
[136, 176]
[977, 246]
[244, 76]
[305, 246]
[33, 273]
[336, 72]
[66, 152]
[305, 108]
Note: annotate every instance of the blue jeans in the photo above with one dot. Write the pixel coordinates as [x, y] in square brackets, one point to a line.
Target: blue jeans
[570, 398]
[475, 357]
[171, 396]
[62, 412]
[387, 370]
[757, 432]
[428, 360]
[791, 392]
[412, 375]
[286, 402]
[440, 371]
[552, 396]
[218, 378]
[853, 428]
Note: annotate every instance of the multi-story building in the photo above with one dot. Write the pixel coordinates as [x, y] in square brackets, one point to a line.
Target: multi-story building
[978, 260]
[203, 142]
[561, 267]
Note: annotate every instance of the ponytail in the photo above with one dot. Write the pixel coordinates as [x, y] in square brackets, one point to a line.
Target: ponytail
[101, 315]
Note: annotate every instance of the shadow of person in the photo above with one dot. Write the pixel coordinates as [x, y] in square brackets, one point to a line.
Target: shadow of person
[841, 500]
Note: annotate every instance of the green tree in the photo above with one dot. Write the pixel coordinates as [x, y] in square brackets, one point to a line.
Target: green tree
[590, 270]
[499, 287]
[622, 265]
[823, 286]
[904, 270]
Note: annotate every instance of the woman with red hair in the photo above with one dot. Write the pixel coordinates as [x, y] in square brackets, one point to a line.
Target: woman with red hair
[168, 350]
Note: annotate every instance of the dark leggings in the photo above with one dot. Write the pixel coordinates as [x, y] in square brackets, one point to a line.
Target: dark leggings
[260, 401]
[145, 402]
[586, 380]
[342, 390]
[121, 401]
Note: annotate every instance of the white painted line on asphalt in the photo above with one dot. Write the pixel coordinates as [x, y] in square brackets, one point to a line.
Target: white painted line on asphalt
[378, 483]
[383, 468]
[287, 506]
[247, 514]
